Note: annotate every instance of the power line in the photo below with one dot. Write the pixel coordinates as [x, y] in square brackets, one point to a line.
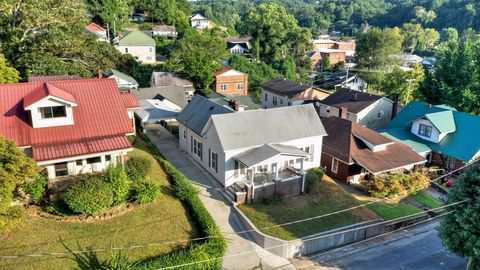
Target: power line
[246, 231]
[311, 239]
[54, 254]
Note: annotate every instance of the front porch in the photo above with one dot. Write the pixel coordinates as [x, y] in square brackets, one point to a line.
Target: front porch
[269, 171]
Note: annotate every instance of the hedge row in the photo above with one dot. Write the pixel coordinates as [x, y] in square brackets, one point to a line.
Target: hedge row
[208, 254]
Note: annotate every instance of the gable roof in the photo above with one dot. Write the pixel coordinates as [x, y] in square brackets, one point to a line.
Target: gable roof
[136, 38]
[258, 127]
[196, 114]
[130, 101]
[247, 102]
[230, 71]
[243, 45]
[153, 110]
[53, 78]
[462, 144]
[175, 94]
[48, 90]
[347, 143]
[256, 155]
[354, 101]
[121, 75]
[100, 119]
[93, 27]
[443, 121]
[282, 86]
[160, 78]
[197, 16]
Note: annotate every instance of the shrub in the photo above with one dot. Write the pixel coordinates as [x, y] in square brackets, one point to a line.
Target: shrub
[116, 178]
[89, 196]
[398, 184]
[36, 189]
[314, 177]
[12, 216]
[146, 26]
[59, 208]
[137, 168]
[146, 191]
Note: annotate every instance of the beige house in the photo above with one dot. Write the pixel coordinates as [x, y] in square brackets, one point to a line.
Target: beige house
[139, 45]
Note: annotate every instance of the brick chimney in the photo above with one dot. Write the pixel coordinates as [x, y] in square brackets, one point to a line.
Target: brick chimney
[234, 105]
[342, 112]
[395, 106]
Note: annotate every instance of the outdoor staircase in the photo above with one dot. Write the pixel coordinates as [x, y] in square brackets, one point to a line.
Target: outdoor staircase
[231, 190]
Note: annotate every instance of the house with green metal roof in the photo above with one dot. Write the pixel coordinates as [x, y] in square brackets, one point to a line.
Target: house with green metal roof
[125, 82]
[140, 45]
[445, 136]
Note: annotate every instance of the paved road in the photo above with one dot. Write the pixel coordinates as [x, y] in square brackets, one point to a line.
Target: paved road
[417, 248]
[254, 256]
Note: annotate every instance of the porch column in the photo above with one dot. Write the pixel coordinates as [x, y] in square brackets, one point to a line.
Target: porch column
[303, 176]
[250, 177]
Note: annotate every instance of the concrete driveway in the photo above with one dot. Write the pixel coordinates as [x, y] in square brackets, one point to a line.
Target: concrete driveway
[252, 256]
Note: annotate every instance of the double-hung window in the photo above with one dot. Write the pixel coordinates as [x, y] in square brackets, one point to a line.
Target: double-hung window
[240, 86]
[424, 130]
[223, 87]
[214, 161]
[335, 165]
[61, 169]
[197, 148]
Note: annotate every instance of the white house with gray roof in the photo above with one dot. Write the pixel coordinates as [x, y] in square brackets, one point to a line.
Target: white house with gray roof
[251, 147]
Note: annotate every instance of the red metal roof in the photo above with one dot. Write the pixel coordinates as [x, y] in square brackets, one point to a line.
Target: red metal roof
[130, 101]
[80, 148]
[93, 27]
[100, 113]
[43, 92]
[53, 78]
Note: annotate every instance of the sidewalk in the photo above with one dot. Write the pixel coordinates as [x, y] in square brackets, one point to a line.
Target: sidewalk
[211, 194]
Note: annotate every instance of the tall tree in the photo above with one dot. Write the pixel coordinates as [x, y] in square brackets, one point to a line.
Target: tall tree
[375, 50]
[258, 73]
[115, 12]
[7, 74]
[276, 34]
[404, 84]
[15, 170]
[457, 73]
[459, 230]
[198, 55]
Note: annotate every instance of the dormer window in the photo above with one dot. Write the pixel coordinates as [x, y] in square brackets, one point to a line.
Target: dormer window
[53, 112]
[424, 130]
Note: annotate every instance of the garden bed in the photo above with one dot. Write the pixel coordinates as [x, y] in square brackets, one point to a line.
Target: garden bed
[327, 197]
[164, 220]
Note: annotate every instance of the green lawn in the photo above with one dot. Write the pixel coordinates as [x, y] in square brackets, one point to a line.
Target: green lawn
[327, 198]
[388, 211]
[165, 219]
[427, 200]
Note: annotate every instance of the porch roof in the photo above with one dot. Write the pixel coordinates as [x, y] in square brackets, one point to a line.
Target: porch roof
[253, 156]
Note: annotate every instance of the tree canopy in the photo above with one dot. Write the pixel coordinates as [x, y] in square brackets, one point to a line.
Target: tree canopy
[459, 230]
[15, 170]
[198, 55]
[7, 74]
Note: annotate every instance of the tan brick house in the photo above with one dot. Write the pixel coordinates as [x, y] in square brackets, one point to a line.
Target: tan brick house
[230, 82]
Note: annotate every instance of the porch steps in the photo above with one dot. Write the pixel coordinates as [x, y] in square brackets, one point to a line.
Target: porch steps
[231, 190]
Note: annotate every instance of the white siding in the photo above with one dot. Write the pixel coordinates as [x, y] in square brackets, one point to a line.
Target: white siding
[369, 117]
[143, 54]
[281, 101]
[38, 122]
[435, 137]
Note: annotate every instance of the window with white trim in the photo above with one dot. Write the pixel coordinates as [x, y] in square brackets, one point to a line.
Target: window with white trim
[184, 133]
[197, 148]
[424, 130]
[240, 86]
[61, 169]
[53, 112]
[214, 161]
[223, 87]
[335, 165]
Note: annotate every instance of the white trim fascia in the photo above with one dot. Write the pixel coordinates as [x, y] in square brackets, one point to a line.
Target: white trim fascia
[72, 104]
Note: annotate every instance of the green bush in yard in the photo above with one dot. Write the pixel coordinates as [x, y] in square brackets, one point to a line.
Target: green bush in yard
[36, 189]
[11, 217]
[397, 184]
[117, 180]
[89, 196]
[212, 250]
[146, 191]
[137, 168]
[314, 177]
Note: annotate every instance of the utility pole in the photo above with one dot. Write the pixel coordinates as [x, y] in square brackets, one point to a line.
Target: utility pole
[114, 26]
[409, 89]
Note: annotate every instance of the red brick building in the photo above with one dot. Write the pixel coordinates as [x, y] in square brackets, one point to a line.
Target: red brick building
[230, 82]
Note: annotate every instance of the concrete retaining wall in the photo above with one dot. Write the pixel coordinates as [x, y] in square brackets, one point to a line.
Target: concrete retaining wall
[325, 240]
